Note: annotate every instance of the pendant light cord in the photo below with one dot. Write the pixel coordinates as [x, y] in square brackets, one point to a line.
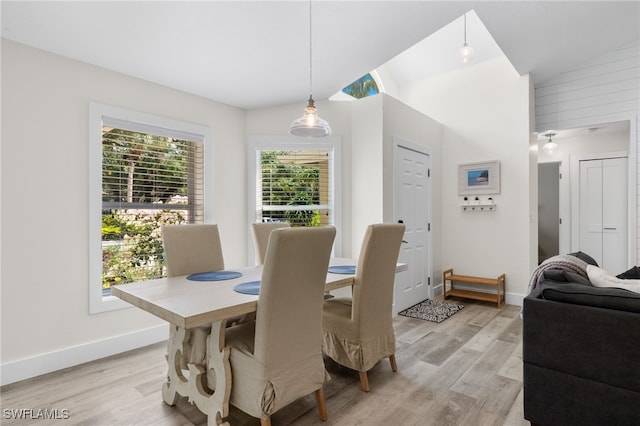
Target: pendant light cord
[465, 28]
[310, 53]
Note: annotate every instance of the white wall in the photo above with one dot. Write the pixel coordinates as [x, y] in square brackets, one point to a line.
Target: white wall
[485, 112]
[366, 127]
[276, 121]
[604, 90]
[367, 162]
[376, 121]
[409, 124]
[45, 105]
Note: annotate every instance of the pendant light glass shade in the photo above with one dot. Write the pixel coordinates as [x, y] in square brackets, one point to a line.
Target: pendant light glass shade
[550, 147]
[310, 125]
[466, 53]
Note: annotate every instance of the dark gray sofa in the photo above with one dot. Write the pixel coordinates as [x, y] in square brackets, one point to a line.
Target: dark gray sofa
[581, 353]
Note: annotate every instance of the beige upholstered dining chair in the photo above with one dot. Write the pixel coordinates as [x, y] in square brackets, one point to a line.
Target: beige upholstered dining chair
[278, 358]
[260, 232]
[189, 249]
[192, 248]
[358, 331]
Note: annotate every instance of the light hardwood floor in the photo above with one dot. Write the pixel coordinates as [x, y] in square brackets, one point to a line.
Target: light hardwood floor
[466, 370]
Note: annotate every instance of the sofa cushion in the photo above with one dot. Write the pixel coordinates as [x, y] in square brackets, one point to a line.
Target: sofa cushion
[584, 257]
[578, 294]
[601, 278]
[631, 274]
[565, 276]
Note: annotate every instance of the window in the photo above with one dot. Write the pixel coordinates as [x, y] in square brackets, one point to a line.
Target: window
[295, 182]
[151, 173]
[294, 186]
[362, 87]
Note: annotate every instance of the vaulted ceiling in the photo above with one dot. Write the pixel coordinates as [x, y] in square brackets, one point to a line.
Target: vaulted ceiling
[256, 54]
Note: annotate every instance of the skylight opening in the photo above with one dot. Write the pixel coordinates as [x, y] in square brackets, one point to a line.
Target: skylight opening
[362, 87]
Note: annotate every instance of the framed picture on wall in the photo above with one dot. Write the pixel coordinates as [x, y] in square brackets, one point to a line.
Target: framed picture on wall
[479, 178]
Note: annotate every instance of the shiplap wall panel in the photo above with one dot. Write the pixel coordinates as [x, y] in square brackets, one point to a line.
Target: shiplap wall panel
[582, 93]
[600, 91]
[603, 87]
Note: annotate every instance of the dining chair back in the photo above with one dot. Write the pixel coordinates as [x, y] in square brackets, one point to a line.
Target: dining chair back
[358, 331]
[192, 248]
[260, 232]
[278, 358]
[189, 249]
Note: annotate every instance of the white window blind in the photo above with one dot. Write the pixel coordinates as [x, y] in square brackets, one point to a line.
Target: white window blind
[295, 186]
[151, 176]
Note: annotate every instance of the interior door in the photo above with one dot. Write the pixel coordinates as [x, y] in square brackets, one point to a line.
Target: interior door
[412, 207]
[603, 212]
[615, 215]
[591, 208]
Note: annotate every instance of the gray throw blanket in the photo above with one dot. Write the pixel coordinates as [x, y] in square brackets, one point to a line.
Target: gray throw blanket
[564, 262]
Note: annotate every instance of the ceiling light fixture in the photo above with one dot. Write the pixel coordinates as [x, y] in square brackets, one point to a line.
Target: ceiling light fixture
[310, 125]
[550, 147]
[466, 51]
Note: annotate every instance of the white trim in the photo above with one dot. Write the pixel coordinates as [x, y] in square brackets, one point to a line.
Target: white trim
[26, 368]
[376, 77]
[514, 299]
[289, 142]
[98, 303]
[564, 244]
[634, 195]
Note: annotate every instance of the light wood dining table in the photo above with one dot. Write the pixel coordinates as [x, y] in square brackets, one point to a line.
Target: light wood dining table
[187, 304]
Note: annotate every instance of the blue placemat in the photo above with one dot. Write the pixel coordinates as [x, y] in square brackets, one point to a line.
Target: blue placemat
[250, 287]
[342, 269]
[214, 276]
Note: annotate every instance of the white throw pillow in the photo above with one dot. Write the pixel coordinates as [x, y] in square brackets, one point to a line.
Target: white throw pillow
[601, 278]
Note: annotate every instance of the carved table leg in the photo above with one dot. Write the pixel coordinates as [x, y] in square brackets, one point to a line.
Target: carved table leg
[215, 404]
[218, 360]
[177, 340]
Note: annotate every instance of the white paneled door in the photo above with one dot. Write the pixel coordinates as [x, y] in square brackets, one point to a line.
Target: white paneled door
[603, 231]
[412, 207]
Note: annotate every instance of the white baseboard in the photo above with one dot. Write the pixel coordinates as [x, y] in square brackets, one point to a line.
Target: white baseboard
[514, 299]
[26, 368]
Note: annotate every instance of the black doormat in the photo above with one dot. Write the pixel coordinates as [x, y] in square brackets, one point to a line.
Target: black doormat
[432, 310]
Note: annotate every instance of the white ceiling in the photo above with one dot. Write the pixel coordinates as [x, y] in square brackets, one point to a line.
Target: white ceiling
[256, 54]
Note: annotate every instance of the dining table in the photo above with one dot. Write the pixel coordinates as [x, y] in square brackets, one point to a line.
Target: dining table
[187, 302]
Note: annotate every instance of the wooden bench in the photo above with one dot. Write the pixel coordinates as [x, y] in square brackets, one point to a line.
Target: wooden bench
[498, 296]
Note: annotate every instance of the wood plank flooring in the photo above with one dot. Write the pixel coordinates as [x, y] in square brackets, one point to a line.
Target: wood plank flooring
[466, 370]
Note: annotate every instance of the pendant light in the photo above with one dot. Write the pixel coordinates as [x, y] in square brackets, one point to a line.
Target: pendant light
[310, 125]
[466, 51]
[550, 147]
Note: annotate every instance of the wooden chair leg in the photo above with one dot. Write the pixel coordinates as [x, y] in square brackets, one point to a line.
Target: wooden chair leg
[265, 422]
[364, 381]
[392, 361]
[322, 406]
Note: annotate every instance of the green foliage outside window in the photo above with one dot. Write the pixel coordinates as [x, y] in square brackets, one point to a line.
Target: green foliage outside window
[147, 182]
[132, 244]
[362, 87]
[287, 183]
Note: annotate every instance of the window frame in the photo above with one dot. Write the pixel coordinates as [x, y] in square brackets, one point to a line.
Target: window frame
[170, 127]
[291, 143]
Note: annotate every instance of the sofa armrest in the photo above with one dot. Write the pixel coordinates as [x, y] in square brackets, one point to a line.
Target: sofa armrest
[590, 342]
